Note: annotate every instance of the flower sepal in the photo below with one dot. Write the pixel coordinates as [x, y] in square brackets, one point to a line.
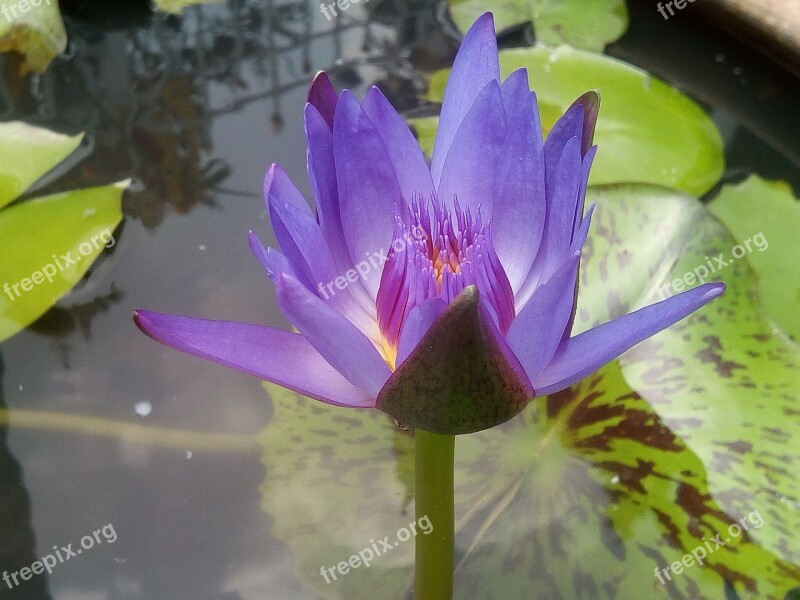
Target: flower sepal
[461, 377]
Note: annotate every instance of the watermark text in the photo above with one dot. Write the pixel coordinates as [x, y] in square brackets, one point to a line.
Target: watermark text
[332, 6]
[12, 12]
[712, 265]
[372, 261]
[703, 551]
[376, 549]
[59, 556]
[663, 8]
[58, 265]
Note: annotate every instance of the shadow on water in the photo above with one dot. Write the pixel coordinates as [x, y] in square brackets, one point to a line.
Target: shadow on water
[149, 91]
[17, 541]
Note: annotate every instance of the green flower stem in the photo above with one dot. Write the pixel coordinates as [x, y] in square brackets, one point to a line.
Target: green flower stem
[434, 498]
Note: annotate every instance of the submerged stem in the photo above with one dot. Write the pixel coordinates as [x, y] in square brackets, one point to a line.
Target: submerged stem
[434, 499]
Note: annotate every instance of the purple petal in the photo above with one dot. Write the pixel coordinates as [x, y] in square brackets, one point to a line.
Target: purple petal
[368, 187]
[590, 102]
[274, 262]
[322, 96]
[411, 169]
[568, 126]
[395, 294]
[476, 64]
[278, 187]
[562, 201]
[339, 342]
[577, 246]
[587, 352]
[578, 121]
[538, 329]
[301, 240]
[586, 166]
[518, 212]
[322, 176]
[533, 279]
[272, 354]
[313, 265]
[496, 293]
[515, 91]
[583, 230]
[469, 171]
[563, 185]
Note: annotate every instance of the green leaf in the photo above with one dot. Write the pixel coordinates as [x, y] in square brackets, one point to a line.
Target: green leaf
[40, 238]
[647, 131]
[590, 490]
[764, 216]
[27, 153]
[37, 32]
[175, 7]
[586, 24]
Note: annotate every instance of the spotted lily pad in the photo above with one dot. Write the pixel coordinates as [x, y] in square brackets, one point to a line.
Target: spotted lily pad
[764, 217]
[648, 132]
[726, 383]
[601, 491]
[589, 25]
[589, 497]
[337, 482]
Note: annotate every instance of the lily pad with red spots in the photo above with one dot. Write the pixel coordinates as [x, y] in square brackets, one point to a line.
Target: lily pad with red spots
[683, 444]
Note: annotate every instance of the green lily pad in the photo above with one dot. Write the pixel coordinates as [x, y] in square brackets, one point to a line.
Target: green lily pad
[47, 245]
[764, 217]
[589, 25]
[27, 153]
[591, 490]
[35, 31]
[175, 7]
[647, 131]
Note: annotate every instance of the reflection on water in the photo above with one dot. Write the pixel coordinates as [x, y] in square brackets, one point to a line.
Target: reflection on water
[149, 96]
[191, 109]
[17, 543]
[59, 323]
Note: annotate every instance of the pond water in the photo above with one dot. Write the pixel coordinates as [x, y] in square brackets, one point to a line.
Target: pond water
[192, 109]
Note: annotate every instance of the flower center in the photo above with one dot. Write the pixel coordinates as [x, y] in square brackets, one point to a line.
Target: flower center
[436, 253]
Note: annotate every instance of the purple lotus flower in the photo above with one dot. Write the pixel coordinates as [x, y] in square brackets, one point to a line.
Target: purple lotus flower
[442, 295]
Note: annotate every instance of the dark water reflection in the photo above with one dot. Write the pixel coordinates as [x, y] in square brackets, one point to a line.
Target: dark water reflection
[193, 109]
[17, 543]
